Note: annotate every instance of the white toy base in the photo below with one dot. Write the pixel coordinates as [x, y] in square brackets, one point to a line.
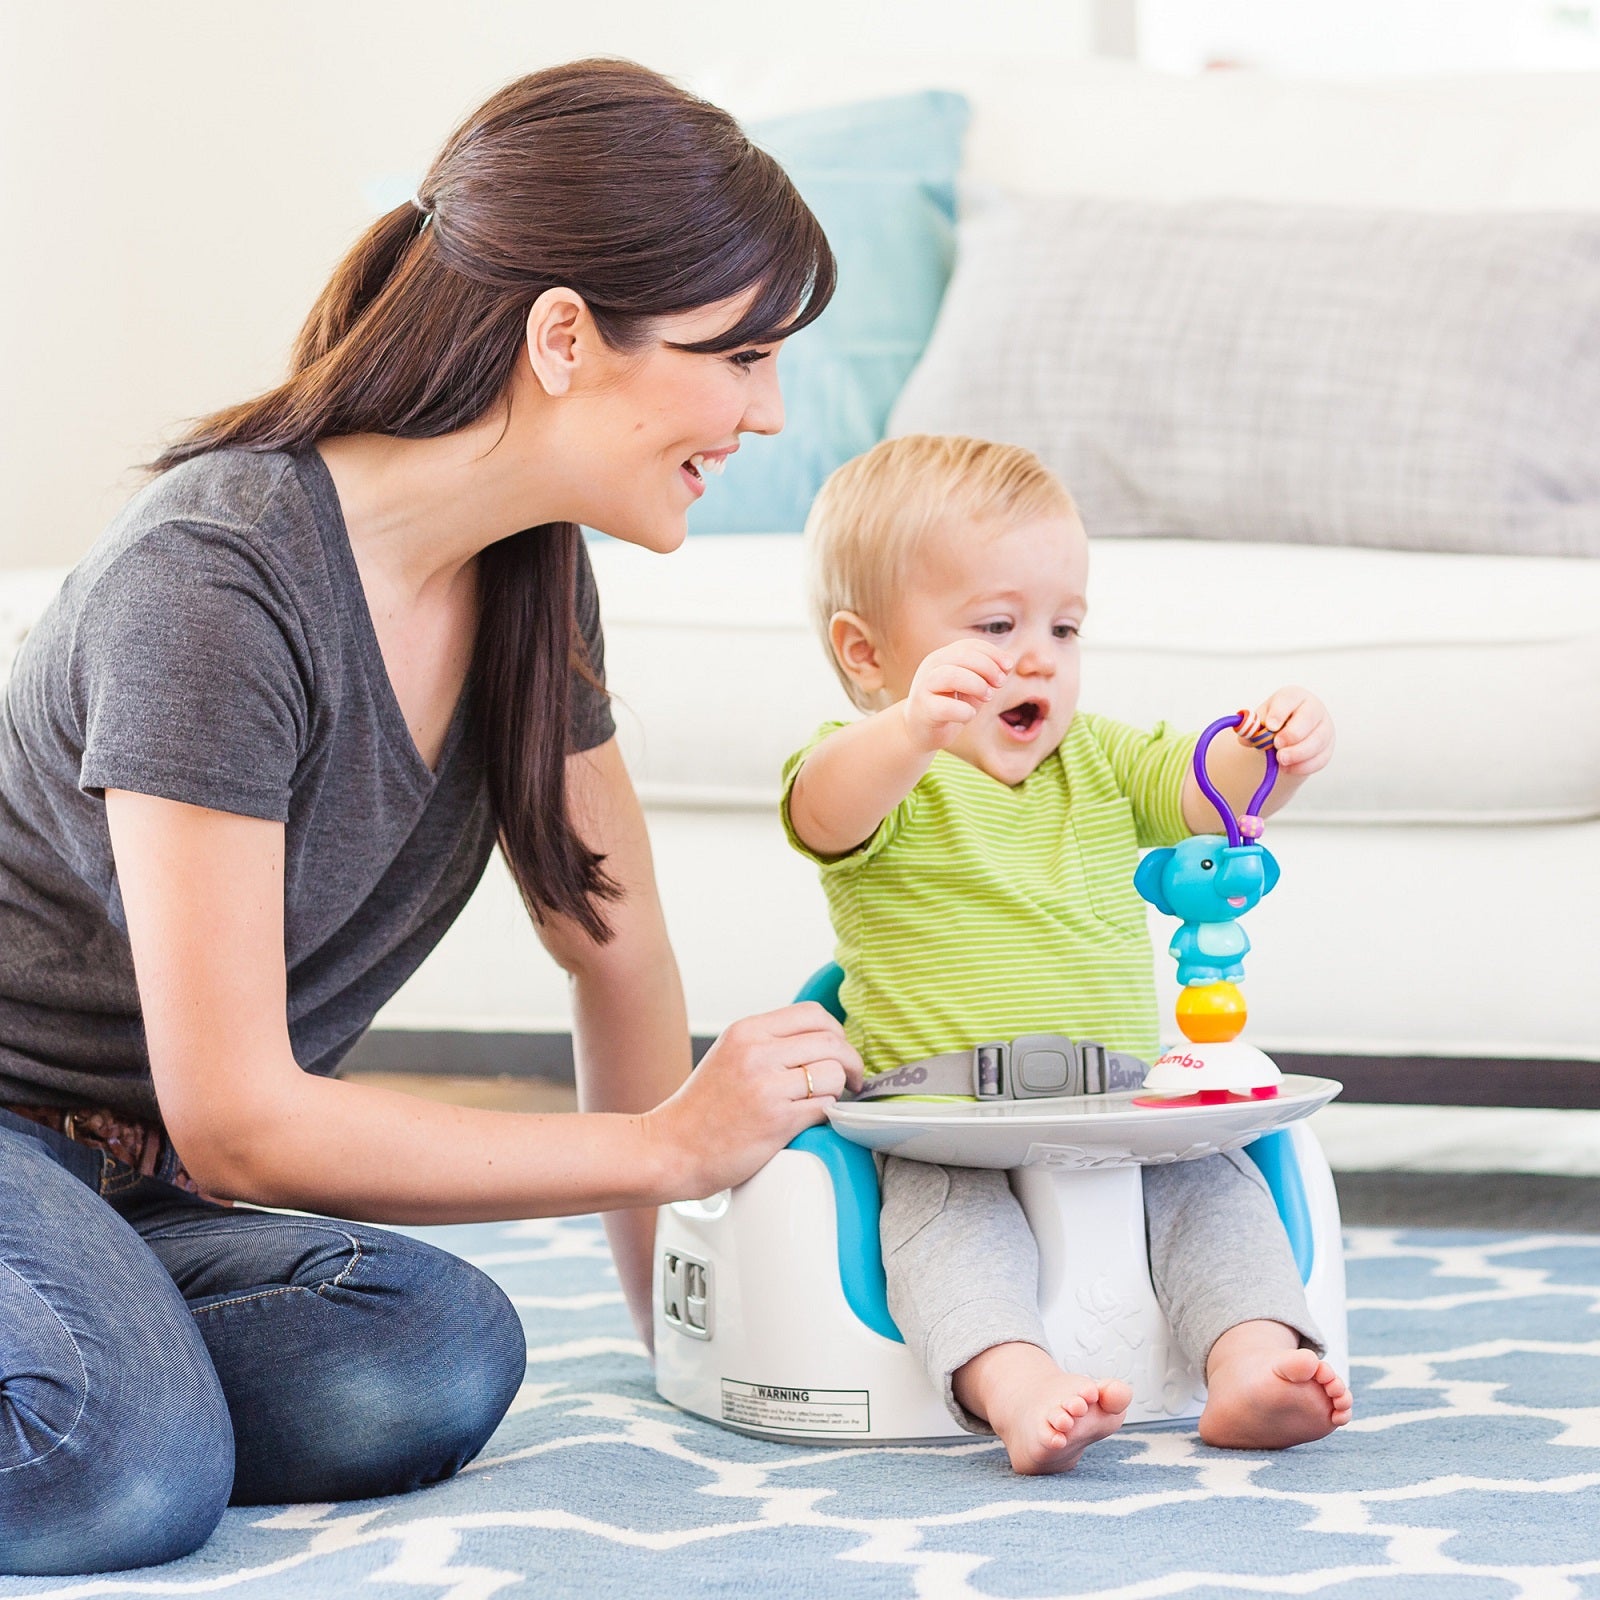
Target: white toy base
[754, 1330]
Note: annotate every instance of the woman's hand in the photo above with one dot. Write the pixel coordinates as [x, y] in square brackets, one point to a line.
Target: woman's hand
[750, 1096]
[949, 688]
[1301, 727]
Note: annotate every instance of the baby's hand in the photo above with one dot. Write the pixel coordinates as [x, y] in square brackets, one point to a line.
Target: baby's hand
[1301, 729]
[950, 686]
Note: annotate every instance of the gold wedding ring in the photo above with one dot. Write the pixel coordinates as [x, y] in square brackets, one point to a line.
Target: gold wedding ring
[811, 1088]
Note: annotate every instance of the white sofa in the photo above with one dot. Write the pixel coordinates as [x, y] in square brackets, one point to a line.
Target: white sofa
[1438, 880]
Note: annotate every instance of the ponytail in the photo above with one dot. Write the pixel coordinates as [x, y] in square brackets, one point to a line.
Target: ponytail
[356, 282]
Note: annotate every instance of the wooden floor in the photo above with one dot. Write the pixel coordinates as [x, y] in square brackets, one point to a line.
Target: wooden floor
[489, 1094]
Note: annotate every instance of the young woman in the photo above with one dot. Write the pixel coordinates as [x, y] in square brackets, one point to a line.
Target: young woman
[253, 761]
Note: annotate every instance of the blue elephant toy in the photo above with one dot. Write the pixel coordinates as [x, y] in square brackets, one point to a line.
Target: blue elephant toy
[1210, 884]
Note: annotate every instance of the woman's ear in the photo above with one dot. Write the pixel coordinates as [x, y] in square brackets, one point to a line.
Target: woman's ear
[856, 651]
[555, 322]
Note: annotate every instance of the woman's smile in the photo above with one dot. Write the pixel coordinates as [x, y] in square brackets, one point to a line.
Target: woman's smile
[706, 463]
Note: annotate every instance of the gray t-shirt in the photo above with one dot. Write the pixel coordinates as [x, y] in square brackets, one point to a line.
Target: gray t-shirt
[215, 647]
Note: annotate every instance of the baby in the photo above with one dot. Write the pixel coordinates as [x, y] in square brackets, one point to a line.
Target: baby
[977, 836]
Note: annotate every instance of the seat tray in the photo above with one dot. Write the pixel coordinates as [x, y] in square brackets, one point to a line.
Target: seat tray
[1082, 1131]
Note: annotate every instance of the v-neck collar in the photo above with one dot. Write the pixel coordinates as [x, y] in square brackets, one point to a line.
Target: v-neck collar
[351, 597]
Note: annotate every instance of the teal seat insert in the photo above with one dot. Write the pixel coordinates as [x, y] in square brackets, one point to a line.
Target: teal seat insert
[1274, 1154]
[855, 1190]
[856, 1205]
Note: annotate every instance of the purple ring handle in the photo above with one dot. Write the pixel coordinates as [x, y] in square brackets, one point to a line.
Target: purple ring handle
[1212, 793]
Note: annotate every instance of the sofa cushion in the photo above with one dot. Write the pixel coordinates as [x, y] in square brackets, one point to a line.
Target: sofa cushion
[1054, 124]
[1232, 370]
[881, 178]
[1462, 686]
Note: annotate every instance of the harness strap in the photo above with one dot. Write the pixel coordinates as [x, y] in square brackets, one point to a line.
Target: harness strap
[1033, 1066]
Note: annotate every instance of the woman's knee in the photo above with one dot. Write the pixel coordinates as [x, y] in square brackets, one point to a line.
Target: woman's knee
[440, 1397]
[102, 1471]
[116, 1512]
[407, 1401]
[478, 1361]
[116, 1448]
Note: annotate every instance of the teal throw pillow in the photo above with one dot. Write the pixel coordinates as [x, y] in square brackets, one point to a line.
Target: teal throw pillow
[881, 178]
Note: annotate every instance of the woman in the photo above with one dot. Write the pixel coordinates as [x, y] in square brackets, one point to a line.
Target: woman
[253, 761]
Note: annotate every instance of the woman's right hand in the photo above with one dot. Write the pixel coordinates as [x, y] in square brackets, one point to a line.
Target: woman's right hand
[749, 1096]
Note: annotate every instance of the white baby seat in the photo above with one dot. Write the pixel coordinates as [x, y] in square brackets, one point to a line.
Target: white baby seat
[770, 1309]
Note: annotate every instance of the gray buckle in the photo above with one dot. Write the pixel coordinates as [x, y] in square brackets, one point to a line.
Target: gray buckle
[1033, 1066]
[1095, 1066]
[990, 1064]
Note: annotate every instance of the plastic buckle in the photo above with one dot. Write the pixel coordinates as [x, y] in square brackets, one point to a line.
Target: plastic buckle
[1044, 1066]
[990, 1070]
[1094, 1067]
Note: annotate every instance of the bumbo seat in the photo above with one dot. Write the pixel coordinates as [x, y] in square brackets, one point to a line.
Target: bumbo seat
[770, 1309]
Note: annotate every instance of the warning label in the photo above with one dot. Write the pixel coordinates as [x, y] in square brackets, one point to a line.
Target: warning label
[764, 1405]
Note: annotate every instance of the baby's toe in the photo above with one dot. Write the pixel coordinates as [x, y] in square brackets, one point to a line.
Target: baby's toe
[1300, 1366]
[1115, 1395]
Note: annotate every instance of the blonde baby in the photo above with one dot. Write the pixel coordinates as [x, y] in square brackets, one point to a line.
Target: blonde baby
[977, 835]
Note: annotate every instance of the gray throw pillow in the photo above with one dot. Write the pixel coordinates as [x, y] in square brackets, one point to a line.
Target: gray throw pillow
[1232, 370]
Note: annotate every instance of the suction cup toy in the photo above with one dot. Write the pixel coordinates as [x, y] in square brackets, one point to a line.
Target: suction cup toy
[1210, 881]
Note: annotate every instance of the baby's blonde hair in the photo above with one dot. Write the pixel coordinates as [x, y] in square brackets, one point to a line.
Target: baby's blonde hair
[875, 513]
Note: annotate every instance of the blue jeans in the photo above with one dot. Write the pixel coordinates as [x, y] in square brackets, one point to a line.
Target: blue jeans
[161, 1356]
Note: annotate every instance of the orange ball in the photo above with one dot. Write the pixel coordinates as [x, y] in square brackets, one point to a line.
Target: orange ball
[1211, 1013]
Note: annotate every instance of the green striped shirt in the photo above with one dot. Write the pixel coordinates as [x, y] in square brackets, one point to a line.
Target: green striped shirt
[980, 911]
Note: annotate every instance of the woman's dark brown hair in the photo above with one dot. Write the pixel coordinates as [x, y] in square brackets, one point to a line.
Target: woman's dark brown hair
[601, 177]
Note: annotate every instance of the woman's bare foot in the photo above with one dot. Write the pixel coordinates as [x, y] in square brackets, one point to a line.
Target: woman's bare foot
[1046, 1418]
[1263, 1392]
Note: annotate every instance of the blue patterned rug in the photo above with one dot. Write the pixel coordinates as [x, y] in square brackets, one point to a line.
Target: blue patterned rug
[1472, 1470]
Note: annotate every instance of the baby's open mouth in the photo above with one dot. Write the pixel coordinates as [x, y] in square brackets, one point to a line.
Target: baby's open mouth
[1024, 718]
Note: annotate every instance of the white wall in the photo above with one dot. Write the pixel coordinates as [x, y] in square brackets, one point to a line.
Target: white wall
[1370, 38]
[178, 178]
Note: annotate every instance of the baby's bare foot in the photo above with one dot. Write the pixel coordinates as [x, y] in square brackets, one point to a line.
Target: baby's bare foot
[1046, 1418]
[1265, 1393]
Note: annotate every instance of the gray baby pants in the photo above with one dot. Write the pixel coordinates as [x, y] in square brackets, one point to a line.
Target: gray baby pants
[963, 1268]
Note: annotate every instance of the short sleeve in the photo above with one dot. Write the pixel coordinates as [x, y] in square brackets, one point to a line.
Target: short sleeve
[590, 724]
[188, 675]
[882, 836]
[1149, 769]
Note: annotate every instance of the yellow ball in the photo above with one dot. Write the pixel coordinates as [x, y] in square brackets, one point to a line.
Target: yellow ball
[1211, 1013]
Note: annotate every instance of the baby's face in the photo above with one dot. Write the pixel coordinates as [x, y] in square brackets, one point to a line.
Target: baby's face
[1021, 586]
